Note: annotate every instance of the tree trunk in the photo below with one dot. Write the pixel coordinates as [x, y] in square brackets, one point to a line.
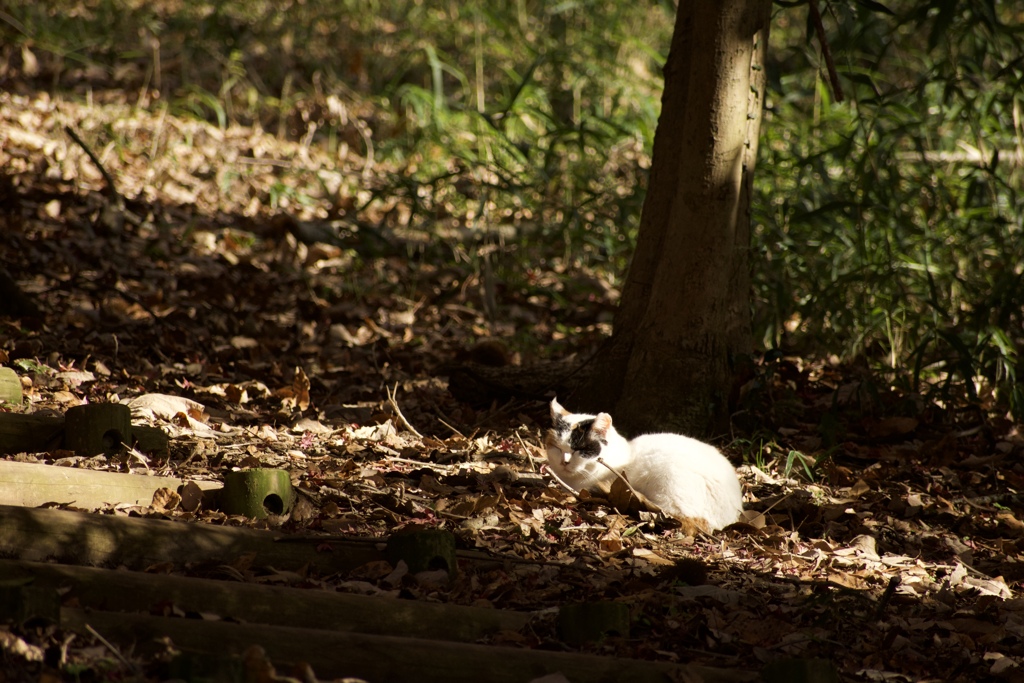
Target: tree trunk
[684, 315]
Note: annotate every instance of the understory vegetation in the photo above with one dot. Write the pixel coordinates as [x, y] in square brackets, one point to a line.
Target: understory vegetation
[302, 235]
[516, 136]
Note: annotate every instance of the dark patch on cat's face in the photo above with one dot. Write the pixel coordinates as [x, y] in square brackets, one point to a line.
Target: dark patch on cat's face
[560, 425]
[583, 440]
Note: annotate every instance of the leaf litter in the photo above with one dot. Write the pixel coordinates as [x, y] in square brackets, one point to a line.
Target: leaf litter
[882, 532]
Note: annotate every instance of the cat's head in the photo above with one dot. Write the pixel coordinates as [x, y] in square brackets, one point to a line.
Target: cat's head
[575, 438]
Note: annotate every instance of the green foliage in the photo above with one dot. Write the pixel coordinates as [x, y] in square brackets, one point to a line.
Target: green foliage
[797, 461]
[887, 227]
[890, 226]
[526, 113]
[472, 115]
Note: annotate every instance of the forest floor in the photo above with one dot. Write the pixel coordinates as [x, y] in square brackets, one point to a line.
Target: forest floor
[887, 539]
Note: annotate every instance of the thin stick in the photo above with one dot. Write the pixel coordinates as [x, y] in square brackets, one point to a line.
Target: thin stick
[117, 653]
[410, 461]
[550, 470]
[636, 493]
[456, 431]
[96, 160]
[529, 457]
[883, 602]
[819, 28]
[135, 454]
[484, 556]
[398, 411]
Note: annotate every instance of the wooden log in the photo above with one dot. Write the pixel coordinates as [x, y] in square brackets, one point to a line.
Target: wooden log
[38, 534]
[30, 433]
[108, 590]
[152, 440]
[32, 485]
[385, 659]
[40, 433]
[22, 602]
[800, 671]
[590, 622]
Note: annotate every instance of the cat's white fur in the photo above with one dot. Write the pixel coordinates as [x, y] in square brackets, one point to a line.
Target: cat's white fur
[686, 478]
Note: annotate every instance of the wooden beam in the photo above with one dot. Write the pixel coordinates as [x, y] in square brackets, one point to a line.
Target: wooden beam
[384, 659]
[20, 433]
[35, 484]
[38, 534]
[116, 591]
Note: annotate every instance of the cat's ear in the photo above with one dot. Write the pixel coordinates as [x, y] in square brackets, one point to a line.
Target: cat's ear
[602, 423]
[557, 410]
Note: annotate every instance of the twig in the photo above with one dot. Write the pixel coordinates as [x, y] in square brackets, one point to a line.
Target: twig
[135, 454]
[550, 470]
[484, 556]
[780, 500]
[421, 463]
[96, 160]
[109, 646]
[639, 496]
[529, 457]
[819, 28]
[883, 602]
[442, 421]
[398, 411]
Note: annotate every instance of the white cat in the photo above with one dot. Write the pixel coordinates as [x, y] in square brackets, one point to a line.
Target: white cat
[687, 479]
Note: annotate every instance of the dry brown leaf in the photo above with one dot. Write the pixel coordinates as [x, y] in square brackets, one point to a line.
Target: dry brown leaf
[165, 500]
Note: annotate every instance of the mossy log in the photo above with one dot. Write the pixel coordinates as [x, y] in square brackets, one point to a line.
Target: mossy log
[257, 492]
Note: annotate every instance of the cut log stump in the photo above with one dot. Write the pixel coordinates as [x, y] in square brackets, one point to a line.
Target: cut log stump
[98, 428]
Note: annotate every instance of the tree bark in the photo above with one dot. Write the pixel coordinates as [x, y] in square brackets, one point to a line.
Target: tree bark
[685, 315]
